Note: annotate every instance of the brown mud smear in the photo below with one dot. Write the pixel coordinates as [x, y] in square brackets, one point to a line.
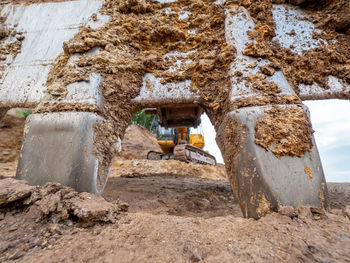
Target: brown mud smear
[10, 44]
[308, 173]
[314, 65]
[285, 132]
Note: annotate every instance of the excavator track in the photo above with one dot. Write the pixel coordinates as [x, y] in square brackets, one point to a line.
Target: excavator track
[191, 154]
[153, 155]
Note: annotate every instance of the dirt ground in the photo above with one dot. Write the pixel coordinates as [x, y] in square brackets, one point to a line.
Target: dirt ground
[176, 212]
[162, 211]
[178, 219]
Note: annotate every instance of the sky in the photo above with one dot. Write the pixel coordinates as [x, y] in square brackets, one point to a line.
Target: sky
[331, 122]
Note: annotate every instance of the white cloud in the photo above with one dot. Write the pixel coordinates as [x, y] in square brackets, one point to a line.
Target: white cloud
[209, 138]
[331, 122]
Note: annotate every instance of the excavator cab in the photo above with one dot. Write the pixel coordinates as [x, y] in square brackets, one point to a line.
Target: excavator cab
[165, 134]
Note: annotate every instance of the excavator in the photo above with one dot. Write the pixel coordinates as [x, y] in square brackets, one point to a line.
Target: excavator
[179, 144]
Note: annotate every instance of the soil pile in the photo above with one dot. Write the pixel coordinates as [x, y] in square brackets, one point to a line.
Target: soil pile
[137, 168]
[137, 141]
[34, 213]
[11, 134]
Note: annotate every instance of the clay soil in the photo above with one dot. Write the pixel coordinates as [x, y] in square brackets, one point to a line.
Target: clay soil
[163, 211]
[11, 133]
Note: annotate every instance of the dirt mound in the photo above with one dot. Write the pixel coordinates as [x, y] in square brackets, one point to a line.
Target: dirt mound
[138, 140]
[138, 168]
[33, 214]
[53, 202]
[11, 134]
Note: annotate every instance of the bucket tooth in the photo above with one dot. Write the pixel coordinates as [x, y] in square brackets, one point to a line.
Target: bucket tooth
[261, 181]
[59, 147]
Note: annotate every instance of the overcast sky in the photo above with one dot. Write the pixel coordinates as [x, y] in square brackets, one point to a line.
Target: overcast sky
[331, 122]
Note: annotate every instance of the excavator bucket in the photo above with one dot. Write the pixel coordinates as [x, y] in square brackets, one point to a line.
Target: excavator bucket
[86, 66]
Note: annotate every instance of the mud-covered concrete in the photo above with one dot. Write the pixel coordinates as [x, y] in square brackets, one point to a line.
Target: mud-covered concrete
[313, 65]
[10, 44]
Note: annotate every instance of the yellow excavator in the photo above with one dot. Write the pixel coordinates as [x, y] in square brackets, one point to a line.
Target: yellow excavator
[178, 143]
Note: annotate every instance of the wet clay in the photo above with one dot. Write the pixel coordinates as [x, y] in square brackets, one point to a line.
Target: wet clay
[285, 132]
[314, 65]
[10, 44]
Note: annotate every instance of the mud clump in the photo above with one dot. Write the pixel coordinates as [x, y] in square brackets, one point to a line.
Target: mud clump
[285, 132]
[11, 191]
[35, 217]
[55, 203]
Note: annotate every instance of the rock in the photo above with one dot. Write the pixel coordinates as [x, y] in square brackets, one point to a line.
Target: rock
[347, 211]
[89, 207]
[55, 229]
[304, 212]
[12, 190]
[287, 211]
[18, 254]
[335, 211]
